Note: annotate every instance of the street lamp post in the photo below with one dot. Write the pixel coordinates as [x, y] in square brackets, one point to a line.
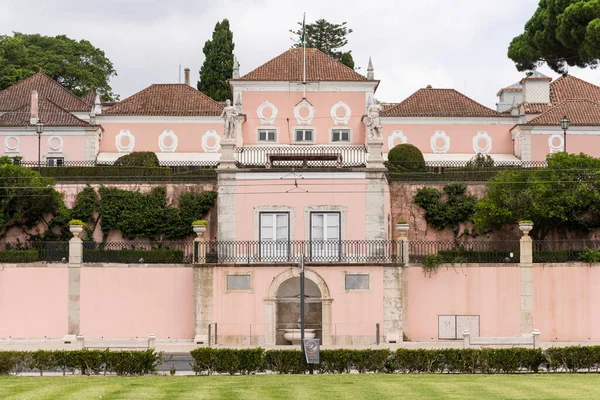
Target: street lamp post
[39, 129]
[564, 124]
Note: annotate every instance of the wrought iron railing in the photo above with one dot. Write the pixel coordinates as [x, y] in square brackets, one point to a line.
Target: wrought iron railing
[555, 251]
[170, 252]
[282, 252]
[18, 252]
[450, 251]
[301, 156]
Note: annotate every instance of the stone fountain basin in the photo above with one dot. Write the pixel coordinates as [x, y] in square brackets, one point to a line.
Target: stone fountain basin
[294, 335]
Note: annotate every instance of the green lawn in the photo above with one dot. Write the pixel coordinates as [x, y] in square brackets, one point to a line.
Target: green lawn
[377, 387]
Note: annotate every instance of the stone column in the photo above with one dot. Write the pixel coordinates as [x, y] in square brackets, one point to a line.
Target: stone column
[392, 304]
[226, 206]
[375, 153]
[74, 266]
[376, 186]
[203, 302]
[526, 269]
[402, 243]
[326, 321]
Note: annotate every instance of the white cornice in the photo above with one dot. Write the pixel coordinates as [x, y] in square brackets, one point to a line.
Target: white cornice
[8, 131]
[285, 86]
[574, 130]
[151, 119]
[448, 121]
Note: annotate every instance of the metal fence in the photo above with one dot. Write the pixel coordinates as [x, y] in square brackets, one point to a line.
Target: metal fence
[301, 156]
[548, 251]
[18, 252]
[281, 252]
[449, 251]
[168, 252]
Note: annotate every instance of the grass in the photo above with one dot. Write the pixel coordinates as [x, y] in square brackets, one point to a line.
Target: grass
[379, 387]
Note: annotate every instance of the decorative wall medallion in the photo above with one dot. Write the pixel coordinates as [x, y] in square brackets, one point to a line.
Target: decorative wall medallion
[130, 142]
[346, 112]
[556, 143]
[11, 144]
[167, 135]
[260, 111]
[440, 136]
[396, 135]
[482, 137]
[304, 112]
[207, 138]
[55, 144]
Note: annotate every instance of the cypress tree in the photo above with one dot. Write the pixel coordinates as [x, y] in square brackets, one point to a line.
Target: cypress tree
[218, 63]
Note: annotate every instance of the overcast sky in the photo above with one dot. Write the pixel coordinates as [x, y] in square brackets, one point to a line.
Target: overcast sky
[458, 44]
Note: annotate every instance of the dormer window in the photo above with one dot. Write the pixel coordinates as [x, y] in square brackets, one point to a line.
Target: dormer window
[304, 135]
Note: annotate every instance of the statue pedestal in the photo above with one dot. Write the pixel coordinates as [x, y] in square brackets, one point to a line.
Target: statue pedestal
[375, 153]
[228, 160]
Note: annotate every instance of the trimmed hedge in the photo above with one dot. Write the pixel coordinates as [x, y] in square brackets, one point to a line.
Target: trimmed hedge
[86, 362]
[138, 159]
[157, 256]
[465, 361]
[18, 256]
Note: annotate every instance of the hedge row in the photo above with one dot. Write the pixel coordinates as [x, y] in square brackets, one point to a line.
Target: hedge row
[32, 255]
[86, 362]
[470, 361]
[157, 256]
[120, 174]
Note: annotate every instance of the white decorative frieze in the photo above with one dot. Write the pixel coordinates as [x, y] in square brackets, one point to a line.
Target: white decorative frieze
[207, 138]
[167, 134]
[440, 136]
[304, 112]
[477, 143]
[55, 144]
[345, 113]
[11, 144]
[556, 143]
[260, 111]
[129, 141]
[396, 135]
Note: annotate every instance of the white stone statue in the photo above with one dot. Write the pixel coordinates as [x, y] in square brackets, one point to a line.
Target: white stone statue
[230, 115]
[373, 122]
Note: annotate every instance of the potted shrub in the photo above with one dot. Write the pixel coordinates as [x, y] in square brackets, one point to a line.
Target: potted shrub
[76, 227]
[199, 226]
[402, 228]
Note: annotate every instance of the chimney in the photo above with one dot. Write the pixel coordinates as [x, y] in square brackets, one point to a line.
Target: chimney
[186, 72]
[34, 116]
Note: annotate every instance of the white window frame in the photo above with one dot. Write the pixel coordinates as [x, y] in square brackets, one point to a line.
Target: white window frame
[304, 128]
[267, 128]
[326, 249]
[340, 128]
[54, 161]
[274, 249]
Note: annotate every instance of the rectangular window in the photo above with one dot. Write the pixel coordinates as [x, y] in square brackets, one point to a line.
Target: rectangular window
[55, 161]
[325, 236]
[340, 135]
[357, 281]
[266, 135]
[304, 135]
[239, 282]
[274, 236]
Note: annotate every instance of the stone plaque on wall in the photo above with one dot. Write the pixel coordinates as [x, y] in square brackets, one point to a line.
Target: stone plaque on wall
[467, 322]
[446, 327]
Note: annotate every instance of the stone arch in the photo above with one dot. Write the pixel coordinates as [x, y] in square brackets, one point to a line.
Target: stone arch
[271, 303]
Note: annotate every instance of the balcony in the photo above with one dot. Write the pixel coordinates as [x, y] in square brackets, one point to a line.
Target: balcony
[301, 156]
[289, 252]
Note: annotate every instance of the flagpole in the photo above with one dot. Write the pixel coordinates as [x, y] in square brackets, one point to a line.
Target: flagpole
[304, 57]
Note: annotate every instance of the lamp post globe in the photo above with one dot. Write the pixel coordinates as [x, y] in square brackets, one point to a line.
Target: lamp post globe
[564, 124]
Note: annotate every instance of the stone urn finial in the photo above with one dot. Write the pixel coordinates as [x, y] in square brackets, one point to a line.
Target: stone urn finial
[402, 229]
[76, 227]
[199, 227]
[526, 227]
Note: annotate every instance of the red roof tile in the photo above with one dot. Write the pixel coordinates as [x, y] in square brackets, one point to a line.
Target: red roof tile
[167, 100]
[581, 112]
[19, 94]
[439, 103]
[49, 113]
[289, 67]
[89, 99]
[569, 87]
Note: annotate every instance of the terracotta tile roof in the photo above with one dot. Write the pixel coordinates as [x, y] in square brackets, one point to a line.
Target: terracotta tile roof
[289, 67]
[569, 87]
[581, 112]
[49, 113]
[19, 94]
[535, 108]
[431, 102]
[167, 100]
[89, 99]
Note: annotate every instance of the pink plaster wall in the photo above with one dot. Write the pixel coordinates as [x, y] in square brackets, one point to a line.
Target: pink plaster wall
[566, 299]
[33, 302]
[461, 136]
[493, 293]
[353, 313]
[73, 147]
[588, 144]
[136, 302]
[349, 193]
[286, 121]
[189, 135]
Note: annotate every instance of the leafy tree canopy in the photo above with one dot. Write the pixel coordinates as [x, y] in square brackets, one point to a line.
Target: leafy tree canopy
[78, 66]
[561, 33]
[566, 195]
[327, 37]
[218, 63]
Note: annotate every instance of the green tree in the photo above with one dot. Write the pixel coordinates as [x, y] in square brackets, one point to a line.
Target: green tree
[560, 33]
[327, 37]
[566, 195]
[218, 63]
[77, 65]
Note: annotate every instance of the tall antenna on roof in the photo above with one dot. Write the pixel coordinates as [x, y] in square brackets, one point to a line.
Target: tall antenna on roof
[179, 72]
